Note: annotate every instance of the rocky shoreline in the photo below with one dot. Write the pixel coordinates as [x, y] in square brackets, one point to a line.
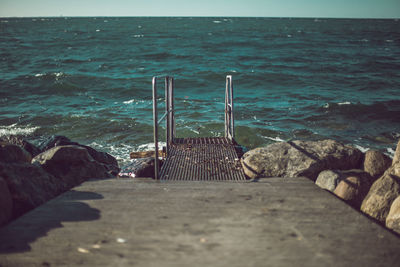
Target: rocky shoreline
[369, 182]
[31, 176]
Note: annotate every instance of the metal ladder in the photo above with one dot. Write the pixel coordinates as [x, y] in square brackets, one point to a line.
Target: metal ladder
[173, 144]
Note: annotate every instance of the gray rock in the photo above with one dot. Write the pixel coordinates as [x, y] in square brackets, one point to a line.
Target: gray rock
[13, 154]
[72, 164]
[382, 193]
[376, 163]
[328, 180]
[29, 186]
[58, 140]
[21, 142]
[55, 140]
[300, 158]
[5, 202]
[142, 167]
[393, 218]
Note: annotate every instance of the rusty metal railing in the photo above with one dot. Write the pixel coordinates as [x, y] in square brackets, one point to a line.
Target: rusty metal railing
[170, 121]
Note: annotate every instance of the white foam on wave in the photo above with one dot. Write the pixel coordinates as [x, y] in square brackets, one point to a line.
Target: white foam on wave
[149, 146]
[361, 148]
[13, 129]
[344, 103]
[129, 101]
[276, 139]
[217, 21]
[390, 152]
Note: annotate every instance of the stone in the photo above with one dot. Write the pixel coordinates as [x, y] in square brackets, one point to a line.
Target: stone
[300, 158]
[6, 204]
[21, 142]
[393, 218]
[140, 167]
[106, 159]
[328, 180]
[55, 140]
[29, 186]
[72, 164]
[13, 154]
[352, 189]
[376, 163]
[396, 158]
[58, 140]
[382, 193]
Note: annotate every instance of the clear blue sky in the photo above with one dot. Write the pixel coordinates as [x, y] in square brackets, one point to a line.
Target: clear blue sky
[260, 8]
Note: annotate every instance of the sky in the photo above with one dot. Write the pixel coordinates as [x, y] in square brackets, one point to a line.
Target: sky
[247, 8]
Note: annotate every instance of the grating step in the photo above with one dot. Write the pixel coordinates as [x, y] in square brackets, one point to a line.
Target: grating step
[202, 159]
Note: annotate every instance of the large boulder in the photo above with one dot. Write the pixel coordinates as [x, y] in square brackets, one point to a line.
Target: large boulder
[29, 186]
[376, 163]
[330, 179]
[300, 158]
[393, 218]
[13, 154]
[21, 142]
[6, 204]
[383, 192]
[352, 189]
[72, 164]
[58, 140]
[142, 167]
[55, 140]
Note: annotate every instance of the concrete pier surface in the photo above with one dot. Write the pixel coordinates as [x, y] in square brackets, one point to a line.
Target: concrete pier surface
[142, 222]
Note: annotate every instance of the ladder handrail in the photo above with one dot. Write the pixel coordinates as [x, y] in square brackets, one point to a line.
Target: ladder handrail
[170, 121]
[170, 115]
[229, 119]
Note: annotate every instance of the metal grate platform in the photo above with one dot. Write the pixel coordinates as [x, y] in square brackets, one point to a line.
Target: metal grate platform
[202, 159]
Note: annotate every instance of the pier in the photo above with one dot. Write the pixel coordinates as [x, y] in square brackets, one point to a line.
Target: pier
[203, 158]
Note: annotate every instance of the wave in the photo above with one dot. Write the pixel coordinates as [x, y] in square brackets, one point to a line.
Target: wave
[385, 110]
[15, 129]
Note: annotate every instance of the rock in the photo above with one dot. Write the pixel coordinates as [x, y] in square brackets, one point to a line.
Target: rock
[57, 140]
[352, 189]
[13, 154]
[72, 164]
[383, 192]
[300, 158]
[376, 163]
[29, 186]
[21, 142]
[109, 161]
[143, 167]
[5, 202]
[393, 218]
[328, 180]
[396, 158]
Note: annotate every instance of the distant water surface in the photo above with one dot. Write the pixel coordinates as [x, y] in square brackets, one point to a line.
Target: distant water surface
[90, 79]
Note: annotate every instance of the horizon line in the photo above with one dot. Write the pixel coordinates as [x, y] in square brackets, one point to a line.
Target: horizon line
[196, 16]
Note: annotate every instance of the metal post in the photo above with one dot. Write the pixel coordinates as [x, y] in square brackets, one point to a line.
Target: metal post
[170, 118]
[167, 122]
[229, 120]
[155, 129]
[231, 102]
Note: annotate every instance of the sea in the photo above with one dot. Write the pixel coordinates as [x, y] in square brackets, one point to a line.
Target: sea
[90, 79]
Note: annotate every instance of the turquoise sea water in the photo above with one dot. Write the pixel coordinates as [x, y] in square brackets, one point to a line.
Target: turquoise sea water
[90, 79]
